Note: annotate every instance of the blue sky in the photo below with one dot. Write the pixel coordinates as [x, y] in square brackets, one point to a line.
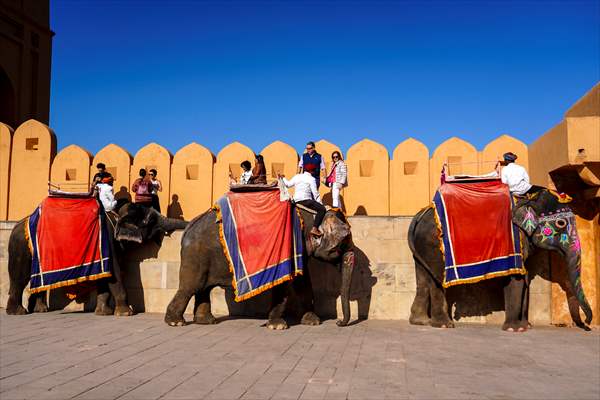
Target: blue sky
[132, 72]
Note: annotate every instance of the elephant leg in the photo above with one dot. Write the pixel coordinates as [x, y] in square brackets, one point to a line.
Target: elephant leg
[40, 305]
[122, 309]
[102, 306]
[278, 302]
[303, 289]
[440, 318]
[419, 311]
[19, 270]
[203, 314]
[514, 294]
[192, 278]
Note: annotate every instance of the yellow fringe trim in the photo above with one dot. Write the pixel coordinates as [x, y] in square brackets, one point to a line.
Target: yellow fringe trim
[27, 237]
[254, 292]
[71, 282]
[438, 224]
[512, 271]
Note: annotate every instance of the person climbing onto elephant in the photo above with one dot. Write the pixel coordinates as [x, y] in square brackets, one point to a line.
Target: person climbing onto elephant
[307, 194]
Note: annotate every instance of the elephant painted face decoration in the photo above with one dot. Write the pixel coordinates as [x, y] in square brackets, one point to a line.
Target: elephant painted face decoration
[557, 230]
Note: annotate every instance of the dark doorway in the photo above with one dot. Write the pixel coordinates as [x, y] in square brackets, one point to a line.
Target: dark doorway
[7, 100]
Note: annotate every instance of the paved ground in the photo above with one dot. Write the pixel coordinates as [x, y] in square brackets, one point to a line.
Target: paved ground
[76, 355]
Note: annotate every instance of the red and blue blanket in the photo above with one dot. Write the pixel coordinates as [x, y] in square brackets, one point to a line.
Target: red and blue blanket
[478, 239]
[262, 240]
[69, 243]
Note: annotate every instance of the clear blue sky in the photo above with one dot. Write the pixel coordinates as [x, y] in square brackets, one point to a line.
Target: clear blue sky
[173, 72]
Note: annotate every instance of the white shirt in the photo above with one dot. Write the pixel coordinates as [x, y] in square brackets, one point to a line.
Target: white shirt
[105, 194]
[305, 187]
[245, 177]
[516, 178]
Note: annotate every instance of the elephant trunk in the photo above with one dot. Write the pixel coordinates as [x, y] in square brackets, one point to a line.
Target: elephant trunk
[171, 224]
[347, 268]
[573, 259]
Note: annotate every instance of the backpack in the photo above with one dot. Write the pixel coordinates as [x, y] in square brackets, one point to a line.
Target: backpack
[143, 188]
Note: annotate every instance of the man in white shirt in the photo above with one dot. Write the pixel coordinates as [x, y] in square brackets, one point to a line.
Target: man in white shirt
[514, 175]
[306, 193]
[105, 193]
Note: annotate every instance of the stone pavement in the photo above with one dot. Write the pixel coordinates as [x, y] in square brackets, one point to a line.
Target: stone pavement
[75, 355]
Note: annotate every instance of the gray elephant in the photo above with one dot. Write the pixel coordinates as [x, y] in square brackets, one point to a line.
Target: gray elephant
[204, 266]
[135, 224]
[546, 223]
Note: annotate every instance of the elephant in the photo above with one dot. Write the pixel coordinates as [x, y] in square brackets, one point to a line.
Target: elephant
[204, 266]
[134, 224]
[545, 223]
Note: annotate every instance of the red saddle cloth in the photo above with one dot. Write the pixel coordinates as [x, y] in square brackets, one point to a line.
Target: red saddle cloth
[69, 243]
[479, 239]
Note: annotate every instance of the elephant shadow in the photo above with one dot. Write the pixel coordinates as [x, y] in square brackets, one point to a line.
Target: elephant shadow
[486, 297]
[326, 282]
[328, 201]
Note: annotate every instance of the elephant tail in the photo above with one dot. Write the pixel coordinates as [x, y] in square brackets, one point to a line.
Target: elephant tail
[411, 243]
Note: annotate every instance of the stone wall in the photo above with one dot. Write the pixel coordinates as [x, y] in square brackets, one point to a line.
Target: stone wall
[383, 284]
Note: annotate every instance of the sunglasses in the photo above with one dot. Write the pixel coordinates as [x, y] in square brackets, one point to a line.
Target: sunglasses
[309, 148]
[334, 157]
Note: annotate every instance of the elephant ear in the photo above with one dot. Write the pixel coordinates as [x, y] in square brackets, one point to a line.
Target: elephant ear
[526, 218]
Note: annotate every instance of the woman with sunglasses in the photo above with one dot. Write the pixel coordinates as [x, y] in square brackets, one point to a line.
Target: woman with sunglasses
[156, 187]
[337, 178]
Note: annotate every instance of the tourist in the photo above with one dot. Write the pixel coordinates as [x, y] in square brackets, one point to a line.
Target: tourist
[259, 172]
[102, 173]
[142, 187]
[312, 157]
[154, 189]
[337, 178]
[246, 172]
[307, 194]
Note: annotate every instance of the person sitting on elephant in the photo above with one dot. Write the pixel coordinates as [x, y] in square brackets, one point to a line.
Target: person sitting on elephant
[516, 177]
[306, 193]
[259, 172]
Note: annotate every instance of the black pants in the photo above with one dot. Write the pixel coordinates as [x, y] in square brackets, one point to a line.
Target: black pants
[155, 203]
[318, 207]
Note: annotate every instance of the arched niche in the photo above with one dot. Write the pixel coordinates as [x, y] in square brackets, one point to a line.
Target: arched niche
[368, 179]
[280, 158]
[71, 169]
[409, 178]
[154, 156]
[191, 182]
[33, 149]
[6, 134]
[325, 148]
[229, 160]
[494, 150]
[462, 159]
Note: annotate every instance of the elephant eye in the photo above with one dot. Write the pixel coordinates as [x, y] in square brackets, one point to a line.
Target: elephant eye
[560, 223]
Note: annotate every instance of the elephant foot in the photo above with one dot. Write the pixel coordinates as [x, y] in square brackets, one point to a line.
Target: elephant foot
[103, 309]
[205, 319]
[419, 320]
[40, 307]
[277, 324]
[310, 318]
[123, 311]
[174, 321]
[514, 326]
[442, 324]
[18, 310]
